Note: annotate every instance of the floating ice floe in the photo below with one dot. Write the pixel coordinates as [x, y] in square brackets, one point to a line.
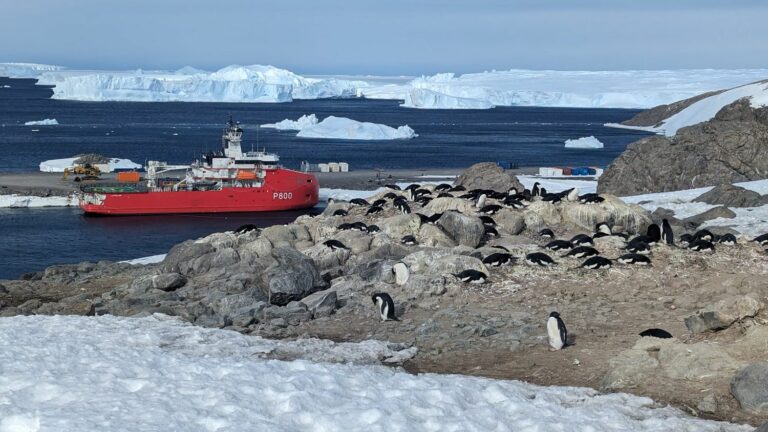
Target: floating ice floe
[24, 201]
[108, 373]
[589, 142]
[44, 122]
[308, 126]
[115, 164]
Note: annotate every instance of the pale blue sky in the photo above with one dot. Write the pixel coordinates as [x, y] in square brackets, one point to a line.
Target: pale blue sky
[387, 36]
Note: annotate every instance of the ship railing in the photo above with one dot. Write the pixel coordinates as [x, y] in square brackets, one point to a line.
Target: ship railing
[114, 188]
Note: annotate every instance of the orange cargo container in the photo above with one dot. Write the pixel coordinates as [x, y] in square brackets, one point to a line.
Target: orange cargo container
[128, 177]
[246, 175]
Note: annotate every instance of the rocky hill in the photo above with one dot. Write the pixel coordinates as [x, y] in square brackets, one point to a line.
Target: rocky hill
[714, 139]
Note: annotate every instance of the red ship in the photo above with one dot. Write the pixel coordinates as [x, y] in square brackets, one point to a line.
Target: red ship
[227, 181]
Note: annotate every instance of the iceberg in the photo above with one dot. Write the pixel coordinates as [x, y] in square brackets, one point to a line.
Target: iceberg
[26, 70]
[342, 128]
[424, 98]
[114, 164]
[44, 122]
[589, 142]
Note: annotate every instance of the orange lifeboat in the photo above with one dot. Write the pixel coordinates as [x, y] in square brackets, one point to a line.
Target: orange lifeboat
[245, 175]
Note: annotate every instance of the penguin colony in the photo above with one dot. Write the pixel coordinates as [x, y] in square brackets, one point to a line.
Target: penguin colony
[580, 246]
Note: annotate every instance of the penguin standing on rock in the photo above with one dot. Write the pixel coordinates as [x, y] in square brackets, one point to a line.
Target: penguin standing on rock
[535, 189]
[386, 306]
[666, 233]
[556, 331]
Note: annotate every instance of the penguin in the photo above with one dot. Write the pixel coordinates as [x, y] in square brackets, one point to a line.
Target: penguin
[481, 201]
[409, 240]
[582, 240]
[762, 239]
[639, 247]
[556, 245]
[542, 191]
[359, 226]
[390, 196]
[359, 202]
[604, 228]
[703, 234]
[553, 198]
[497, 259]
[458, 188]
[654, 232]
[472, 276]
[666, 233]
[556, 331]
[650, 241]
[424, 200]
[340, 212]
[335, 244]
[401, 272]
[633, 258]
[386, 306]
[344, 227]
[412, 187]
[491, 231]
[373, 229]
[487, 220]
[686, 239]
[421, 193]
[656, 332]
[596, 263]
[435, 217]
[573, 195]
[374, 210]
[591, 198]
[444, 195]
[392, 186]
[399, 200]
[535, 189]
[442, 187]
[582, 252]
[539, 259]
[500, 247]
[512, 191]
[424, 219]
[727, 239]
[701, 246]
[246, 228]
[490, 209]
[379, 203]
[404, 208]
[546, 233]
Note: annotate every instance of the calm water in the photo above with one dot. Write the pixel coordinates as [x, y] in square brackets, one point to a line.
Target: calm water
[178, 132]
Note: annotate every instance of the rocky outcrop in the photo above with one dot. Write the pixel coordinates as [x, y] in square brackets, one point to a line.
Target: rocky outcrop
[750, 387]
[713, 213]
[656, 115]
[723, 313]
[463, 229]
[488, 175]
[732, 147]
[732, 196]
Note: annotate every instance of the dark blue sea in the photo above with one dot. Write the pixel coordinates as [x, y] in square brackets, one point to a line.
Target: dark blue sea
[179, 132]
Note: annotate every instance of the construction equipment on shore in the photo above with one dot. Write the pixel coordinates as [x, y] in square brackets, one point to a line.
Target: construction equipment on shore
[86, 170]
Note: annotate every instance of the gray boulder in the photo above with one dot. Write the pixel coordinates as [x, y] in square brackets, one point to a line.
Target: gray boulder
[762, 428]
[723, 313]
[488, 175]
[168, 281]
[464, 230]
[713, 213]
[732, 196]
[182, 257]
[293, 278]
[750, 387]
[321, 303]
[293, 313]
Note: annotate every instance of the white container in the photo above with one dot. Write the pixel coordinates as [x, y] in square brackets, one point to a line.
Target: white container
[333, 166]
[323, 167]
[343, 167]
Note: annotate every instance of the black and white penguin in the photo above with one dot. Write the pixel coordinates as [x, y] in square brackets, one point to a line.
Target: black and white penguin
[481, 201]
[391, 196]
[656, 332]
[591, 198]
[498, 259]
[556, 331]
[513, 203]
[444, 195]
[650, 241]
[379, 202]
[633, 258]
[340, 212]
[546, 233]
[582, 240]
[373, 229]
[701, 246]
[487, 220]
[667, 235]
[542, 191]
[246, 228]
[573, 195]
[686, 239]
[596, 263]
[409, 240]
[442, 187]
[424, 219]
[335, 244]
[762, 239]
[422, 192]
[359, 202]
[491, 231]
[535, 190]
[703, 234]
[556, 245]
[412, 187]
[344, 227]
[639, 247]
[435, 217]
[386, 306]
[423, 200]
[359, 226]
[604, 228]
[403, 207]
[582, 252]
[374, 210]
[458, 188]
[727, 239]
[392, 186]
[553, 198]
[539, 259]
[490, 209]
[654, 232]
[472, 276]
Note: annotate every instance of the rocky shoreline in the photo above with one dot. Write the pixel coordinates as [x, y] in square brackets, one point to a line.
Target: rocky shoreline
[288, 282]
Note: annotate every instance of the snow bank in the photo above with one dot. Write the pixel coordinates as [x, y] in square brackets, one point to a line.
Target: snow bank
[59, 165]
[153, 259]
[44, 122]
[155, 373]
[585, 186]
[255, 83]
[589, 142]
[23, 201]
[341, 128]
[705, 109]
[25, 70]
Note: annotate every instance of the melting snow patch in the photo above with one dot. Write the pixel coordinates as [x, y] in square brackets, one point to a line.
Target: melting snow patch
[44, 122]
[153, 259]
[589, 142]
[156, 373]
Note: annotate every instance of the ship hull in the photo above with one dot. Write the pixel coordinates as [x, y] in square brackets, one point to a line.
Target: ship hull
[283, 190]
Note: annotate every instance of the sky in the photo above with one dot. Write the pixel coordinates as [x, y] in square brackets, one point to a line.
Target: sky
[388, 37]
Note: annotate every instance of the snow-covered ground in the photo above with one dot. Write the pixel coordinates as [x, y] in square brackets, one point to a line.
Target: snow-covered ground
[44, 122]
[63, 373]
[308, 126]
[23, 201]
[258, 83]
[559, 185]
[706, 109]
[59, 165]
[589, 142]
